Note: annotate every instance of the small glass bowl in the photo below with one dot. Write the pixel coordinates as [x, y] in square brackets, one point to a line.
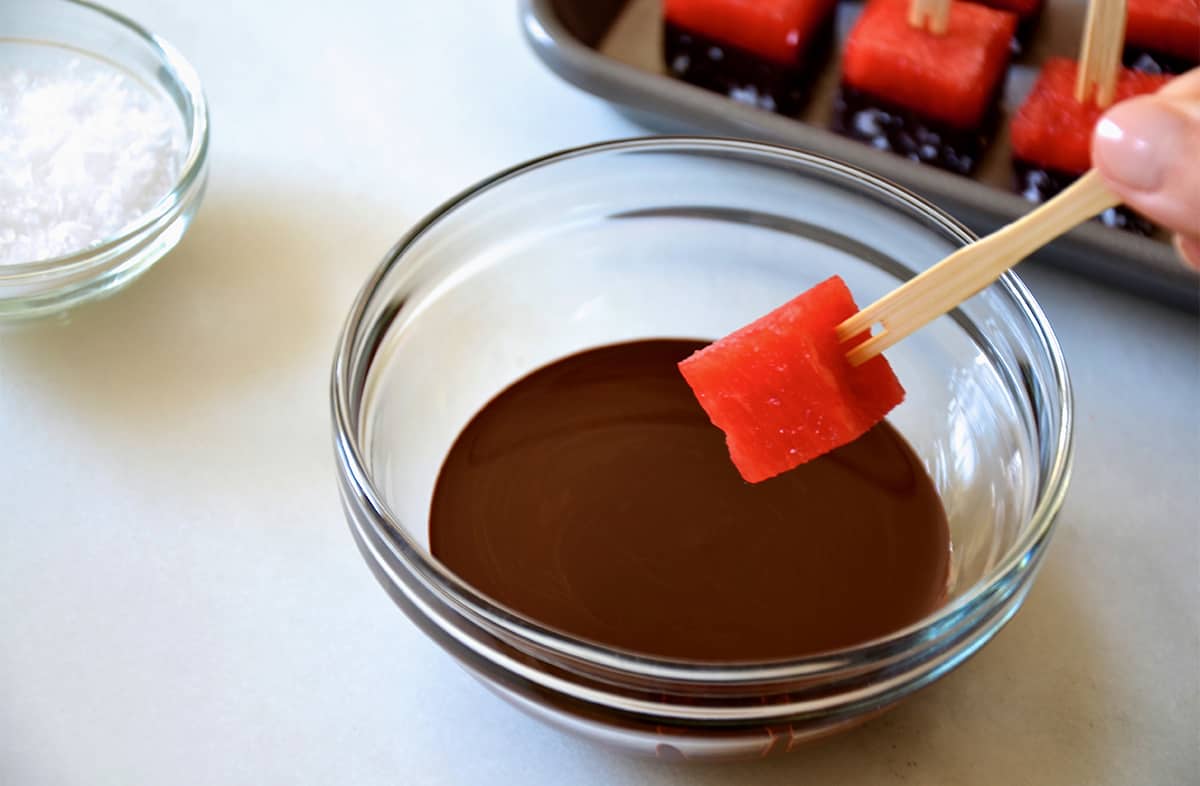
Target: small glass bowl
[682, 237]
[47, 286]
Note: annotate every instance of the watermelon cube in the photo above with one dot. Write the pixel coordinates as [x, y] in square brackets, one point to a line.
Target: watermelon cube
[1166, 27]
[1053, 130]
[781, 388]
[775, 30]
[951, 78]
[764, 53]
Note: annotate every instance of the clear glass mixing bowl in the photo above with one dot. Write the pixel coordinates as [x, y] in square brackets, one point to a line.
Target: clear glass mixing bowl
[33, 29]
[680, 237]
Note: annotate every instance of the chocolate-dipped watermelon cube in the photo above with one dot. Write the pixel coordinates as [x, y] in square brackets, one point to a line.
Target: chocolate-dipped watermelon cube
[1162, 36]
[932, 98]
[761, 52]
[782, 389]
[1051, 135]
[1028, 13]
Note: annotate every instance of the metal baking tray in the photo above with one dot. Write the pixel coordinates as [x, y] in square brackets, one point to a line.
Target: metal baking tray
[613, 49]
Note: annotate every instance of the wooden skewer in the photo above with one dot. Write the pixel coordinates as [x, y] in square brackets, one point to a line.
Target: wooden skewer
[970, 269]
[931, 15]
[1100, 53]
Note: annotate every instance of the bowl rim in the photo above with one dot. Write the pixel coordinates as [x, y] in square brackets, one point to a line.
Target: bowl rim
[1022, 556]
[187, 80]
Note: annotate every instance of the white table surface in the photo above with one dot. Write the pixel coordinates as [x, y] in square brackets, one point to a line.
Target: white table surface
[181, 602]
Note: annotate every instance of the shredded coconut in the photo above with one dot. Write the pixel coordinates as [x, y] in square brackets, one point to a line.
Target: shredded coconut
[85, 149]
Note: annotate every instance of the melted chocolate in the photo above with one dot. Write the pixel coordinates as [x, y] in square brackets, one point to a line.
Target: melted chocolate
[1038, 184]
[895, 129]
[595, 497]
[1026, 26]
[1023, 37]
[743, 75]
[1140, 58]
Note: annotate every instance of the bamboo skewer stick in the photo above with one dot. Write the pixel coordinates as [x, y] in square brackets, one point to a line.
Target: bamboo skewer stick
[931, 15]
[1100, 52]
[970, 269]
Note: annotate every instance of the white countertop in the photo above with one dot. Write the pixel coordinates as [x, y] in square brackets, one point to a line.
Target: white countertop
[181, 602]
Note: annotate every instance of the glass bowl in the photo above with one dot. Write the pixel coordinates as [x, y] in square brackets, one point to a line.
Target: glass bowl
[52, 29]
[678, 238]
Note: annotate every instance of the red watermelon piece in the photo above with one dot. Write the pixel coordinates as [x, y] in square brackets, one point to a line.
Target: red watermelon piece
[1018, 7]
[1053, 130]
[1169, 26]
[781, 388]
[949, 77]
[777, 30]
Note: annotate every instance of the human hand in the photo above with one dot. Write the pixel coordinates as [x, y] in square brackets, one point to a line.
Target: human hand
[1148, 151]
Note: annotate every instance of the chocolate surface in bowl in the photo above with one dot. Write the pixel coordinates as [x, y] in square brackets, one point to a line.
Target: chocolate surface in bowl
[594, 496]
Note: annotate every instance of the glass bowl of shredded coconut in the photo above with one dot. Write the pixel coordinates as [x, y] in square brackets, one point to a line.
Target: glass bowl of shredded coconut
[103, 153]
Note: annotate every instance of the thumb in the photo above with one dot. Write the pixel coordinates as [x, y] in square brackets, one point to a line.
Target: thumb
[1148, 150]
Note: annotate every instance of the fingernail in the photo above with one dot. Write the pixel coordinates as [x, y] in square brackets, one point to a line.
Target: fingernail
[1136, 141]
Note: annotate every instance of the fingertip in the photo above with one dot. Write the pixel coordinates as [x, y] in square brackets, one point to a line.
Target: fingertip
[1188, 248]
[1143, 148]
[1134, 143]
